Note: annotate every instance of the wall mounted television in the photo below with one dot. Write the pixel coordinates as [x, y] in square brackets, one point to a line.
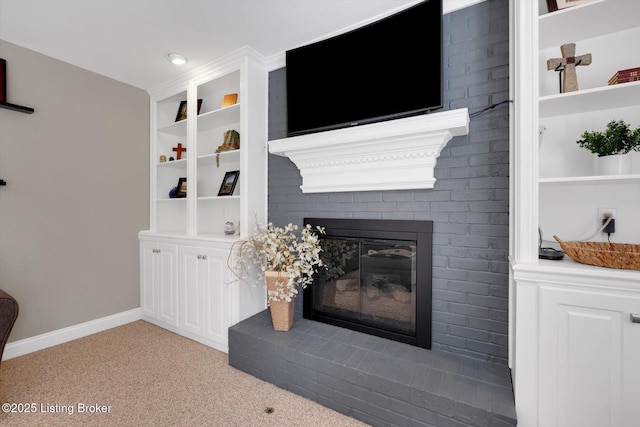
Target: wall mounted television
[388, 69]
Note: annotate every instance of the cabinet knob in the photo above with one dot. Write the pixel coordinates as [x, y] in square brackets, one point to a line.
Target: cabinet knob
[204, 257]
[635, 318]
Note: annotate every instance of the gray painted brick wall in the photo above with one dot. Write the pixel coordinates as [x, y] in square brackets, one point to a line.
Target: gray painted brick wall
[470, 201]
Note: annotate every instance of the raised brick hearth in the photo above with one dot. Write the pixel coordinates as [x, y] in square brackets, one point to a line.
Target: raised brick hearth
[375, 380]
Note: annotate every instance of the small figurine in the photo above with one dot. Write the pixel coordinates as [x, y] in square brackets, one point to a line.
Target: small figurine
[229, 228]
[568, 64]
[231, 141]
[163, 159]
[179, 149]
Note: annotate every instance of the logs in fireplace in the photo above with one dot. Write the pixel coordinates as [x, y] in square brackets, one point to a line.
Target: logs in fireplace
[378, 278]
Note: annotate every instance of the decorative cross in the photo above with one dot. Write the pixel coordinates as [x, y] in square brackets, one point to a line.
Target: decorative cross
[179, 149]
[569, 61]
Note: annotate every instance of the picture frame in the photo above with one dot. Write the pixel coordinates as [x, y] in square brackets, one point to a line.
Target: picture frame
[3, 81]
[229, 99]
[182, 110]
[554, 5]
[229, 183]
[182, 188]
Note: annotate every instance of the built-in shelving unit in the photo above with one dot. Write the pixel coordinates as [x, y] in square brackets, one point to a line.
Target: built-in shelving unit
[203, 212]
[573, 340]
[186, 283]
[595, 27]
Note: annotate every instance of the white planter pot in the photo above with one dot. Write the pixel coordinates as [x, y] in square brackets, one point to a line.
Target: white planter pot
[617, 164]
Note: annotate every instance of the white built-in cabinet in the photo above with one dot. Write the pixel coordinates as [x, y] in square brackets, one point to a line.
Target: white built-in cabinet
[574, 345]
[186, 284]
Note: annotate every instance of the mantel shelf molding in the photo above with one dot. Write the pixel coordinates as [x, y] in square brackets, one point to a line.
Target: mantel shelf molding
[391, 155]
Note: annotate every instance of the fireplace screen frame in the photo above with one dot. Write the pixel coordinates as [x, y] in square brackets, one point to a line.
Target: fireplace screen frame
[418, 231]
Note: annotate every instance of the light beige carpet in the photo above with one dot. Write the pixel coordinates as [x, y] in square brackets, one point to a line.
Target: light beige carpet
[142, 375]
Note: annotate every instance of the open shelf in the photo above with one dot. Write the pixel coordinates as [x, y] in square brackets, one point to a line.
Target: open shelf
[219, 117]
[591, 179]
[218, 198]
[225, 156]
[588, 100]
[586, 21]
[177, 164]
[176, 128]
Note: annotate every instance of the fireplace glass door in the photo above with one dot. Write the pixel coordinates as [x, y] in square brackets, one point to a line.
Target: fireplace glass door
[368, 281]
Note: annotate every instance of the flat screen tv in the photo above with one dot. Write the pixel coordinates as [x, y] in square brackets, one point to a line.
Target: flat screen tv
[388, 69]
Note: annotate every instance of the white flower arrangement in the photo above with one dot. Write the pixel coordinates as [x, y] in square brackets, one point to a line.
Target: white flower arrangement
[294, 256]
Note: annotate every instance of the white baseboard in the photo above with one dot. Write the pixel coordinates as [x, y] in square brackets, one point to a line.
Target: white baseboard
[49, 339]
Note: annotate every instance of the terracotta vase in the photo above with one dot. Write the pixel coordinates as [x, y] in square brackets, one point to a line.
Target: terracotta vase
[281, 311]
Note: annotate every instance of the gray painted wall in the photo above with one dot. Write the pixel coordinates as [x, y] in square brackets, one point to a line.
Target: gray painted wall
[78, 192]
[470, 201]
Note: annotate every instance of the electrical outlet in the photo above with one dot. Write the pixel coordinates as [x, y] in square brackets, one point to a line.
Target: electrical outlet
[603, 215]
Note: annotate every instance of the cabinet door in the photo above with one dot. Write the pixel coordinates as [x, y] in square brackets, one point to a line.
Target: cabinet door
[204, 295]
[192, 279]
[216, 300]
[148, 290]
[167, 278]
[158, 277]
[589, 351]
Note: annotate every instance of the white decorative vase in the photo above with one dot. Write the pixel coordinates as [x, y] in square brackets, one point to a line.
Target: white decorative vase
[617, 164]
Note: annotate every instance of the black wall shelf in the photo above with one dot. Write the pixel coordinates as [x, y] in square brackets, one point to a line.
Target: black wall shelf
[15, 107]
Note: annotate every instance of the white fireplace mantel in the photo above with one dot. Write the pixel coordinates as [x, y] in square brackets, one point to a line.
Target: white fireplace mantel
[391, 155]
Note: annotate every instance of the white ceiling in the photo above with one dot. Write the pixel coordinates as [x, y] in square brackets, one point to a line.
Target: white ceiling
[128, 40]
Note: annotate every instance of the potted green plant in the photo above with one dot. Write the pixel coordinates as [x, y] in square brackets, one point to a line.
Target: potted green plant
[285, 259]
[612, 146]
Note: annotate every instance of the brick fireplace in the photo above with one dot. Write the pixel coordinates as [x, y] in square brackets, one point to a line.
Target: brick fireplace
[376, 280]
[469, 203]
[464, 380]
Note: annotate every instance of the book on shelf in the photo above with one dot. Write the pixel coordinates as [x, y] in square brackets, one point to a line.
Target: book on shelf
[625, 76]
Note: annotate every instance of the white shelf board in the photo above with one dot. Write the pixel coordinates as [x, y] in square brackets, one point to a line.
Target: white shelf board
[176, 128]
[587, 21]
[225, 156]
[171, 200]
[622, 179]
[174, 164]
[219, 117]
[587, 100]
[217, 198]
[573, 273]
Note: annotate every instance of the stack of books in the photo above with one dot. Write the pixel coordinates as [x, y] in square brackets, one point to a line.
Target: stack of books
[625, 76]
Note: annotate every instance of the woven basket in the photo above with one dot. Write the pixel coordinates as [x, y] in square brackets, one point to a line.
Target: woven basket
[603, 254]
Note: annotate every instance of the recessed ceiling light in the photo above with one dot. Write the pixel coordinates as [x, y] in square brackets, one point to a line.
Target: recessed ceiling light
[176, 58]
